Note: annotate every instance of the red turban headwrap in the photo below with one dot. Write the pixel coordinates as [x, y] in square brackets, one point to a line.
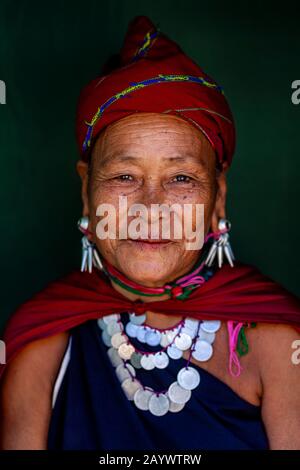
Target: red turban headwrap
[154, 75]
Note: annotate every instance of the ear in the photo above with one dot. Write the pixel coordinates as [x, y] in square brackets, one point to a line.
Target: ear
[82, 170]
[219, 211]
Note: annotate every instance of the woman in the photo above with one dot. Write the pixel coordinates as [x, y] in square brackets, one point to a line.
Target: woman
[154, 346]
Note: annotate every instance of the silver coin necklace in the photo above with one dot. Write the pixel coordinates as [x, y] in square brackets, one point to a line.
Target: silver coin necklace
[189, 334]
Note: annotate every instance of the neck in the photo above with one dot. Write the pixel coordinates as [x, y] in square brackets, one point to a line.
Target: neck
[154, 319]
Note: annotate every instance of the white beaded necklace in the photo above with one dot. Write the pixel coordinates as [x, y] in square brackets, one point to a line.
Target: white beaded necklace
[196, 335]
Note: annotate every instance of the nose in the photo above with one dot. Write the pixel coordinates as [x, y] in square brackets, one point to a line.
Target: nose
[152, 193]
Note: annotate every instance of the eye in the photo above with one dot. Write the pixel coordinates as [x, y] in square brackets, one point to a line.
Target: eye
[124, 178]
[182, 179]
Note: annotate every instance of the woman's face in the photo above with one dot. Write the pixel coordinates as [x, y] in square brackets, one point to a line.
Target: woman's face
[152, 158]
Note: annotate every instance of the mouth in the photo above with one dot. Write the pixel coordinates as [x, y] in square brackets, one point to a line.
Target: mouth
[150, 244]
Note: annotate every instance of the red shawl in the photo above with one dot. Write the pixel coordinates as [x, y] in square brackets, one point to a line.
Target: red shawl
[241, 294]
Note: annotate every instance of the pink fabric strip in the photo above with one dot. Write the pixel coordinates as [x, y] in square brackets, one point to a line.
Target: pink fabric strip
[234, 328]
[194, 280]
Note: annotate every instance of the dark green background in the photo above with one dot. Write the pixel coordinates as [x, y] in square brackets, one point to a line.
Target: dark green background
[49, 50]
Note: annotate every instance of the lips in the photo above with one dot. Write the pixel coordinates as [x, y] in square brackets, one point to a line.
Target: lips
[144, 244]
[148, 240]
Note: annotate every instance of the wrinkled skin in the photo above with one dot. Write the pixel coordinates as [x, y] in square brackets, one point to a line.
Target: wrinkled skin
[172, 163]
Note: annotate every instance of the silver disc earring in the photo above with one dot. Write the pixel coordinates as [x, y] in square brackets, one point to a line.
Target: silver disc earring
[90, 256]
[221, 247]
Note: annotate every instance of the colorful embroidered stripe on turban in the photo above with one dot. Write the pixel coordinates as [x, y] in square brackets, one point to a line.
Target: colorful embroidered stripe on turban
[154, 75]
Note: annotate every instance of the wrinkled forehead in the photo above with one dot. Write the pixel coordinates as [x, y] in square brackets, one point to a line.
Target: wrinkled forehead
[168, 137]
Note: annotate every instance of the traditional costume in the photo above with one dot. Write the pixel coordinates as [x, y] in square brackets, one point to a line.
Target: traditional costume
[91, 409]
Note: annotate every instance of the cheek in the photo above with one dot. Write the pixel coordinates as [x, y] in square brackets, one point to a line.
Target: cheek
[99, 196]
[205, 198]
[96, 198]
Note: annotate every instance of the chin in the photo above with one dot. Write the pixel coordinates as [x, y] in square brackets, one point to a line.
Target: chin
[148, 272]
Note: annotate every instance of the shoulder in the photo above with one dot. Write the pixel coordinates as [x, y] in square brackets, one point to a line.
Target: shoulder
[275, 341]
[40, 358]
[278, 361]
[275, 345]
[26, 392]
